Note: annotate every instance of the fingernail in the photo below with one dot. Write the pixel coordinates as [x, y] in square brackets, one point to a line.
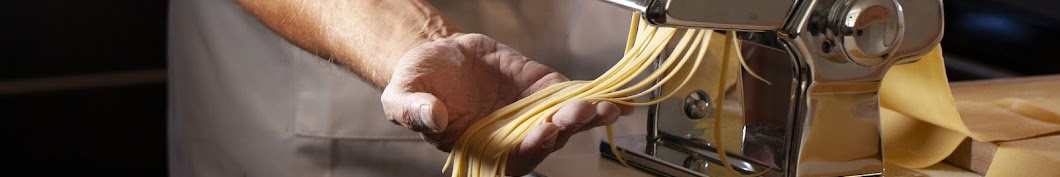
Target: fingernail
[427, 119]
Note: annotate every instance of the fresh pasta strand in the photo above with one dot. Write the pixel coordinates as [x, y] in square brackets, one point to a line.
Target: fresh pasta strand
[484, 147]
[730, 42]
[459, 159]
[743, 63]
[697, 34]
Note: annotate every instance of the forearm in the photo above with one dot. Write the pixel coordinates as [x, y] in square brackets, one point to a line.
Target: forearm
[366, 36]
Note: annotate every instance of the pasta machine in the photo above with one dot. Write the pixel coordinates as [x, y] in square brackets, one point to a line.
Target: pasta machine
[818, 116]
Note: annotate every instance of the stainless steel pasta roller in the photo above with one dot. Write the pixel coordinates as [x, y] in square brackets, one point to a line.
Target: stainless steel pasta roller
[819, 116]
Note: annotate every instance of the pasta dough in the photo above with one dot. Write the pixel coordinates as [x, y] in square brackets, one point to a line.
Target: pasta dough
[922, 124]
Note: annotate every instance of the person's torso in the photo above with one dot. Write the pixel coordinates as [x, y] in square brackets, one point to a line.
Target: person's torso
[243, 100]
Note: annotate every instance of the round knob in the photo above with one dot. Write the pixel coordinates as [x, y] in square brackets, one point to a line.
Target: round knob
[870, 30]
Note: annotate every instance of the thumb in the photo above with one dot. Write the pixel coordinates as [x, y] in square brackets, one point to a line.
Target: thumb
[418, 111]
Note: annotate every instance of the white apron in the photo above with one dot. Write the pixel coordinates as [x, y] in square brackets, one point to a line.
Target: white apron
[244, 102]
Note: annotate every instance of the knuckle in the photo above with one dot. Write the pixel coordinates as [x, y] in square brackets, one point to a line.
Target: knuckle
[478, 41]
[475, 36]
[585, 113]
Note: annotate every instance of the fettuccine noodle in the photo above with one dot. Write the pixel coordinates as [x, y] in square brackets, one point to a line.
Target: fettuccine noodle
[484, 147]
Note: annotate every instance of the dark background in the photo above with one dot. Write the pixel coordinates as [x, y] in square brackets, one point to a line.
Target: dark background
[82, 87]
[82, 83]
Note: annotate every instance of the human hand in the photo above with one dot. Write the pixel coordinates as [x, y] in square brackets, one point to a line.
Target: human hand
[441, 88]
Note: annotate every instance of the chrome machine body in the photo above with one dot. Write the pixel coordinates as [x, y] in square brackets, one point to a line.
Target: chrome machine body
[820, 115]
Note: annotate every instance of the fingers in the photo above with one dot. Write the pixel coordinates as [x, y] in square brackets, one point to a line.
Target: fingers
[626, 109]
[579, 115]
[606, 114]
[535, 147]
[420, 112]
[544, 81]
[573, 117]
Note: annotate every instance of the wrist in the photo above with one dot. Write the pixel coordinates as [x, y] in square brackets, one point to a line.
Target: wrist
[410, 33]
[392, 55]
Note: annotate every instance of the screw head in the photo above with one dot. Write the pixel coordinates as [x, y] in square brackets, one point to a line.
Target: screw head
[698, 106]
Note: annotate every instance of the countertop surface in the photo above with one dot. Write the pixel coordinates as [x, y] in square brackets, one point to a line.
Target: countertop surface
[596, 165]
